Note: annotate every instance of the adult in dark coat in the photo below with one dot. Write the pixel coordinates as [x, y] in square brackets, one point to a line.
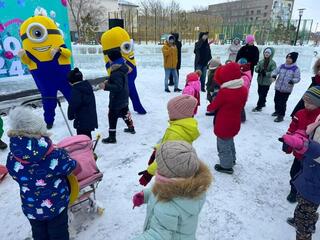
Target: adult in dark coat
[203, 56]
[179, 46]
[117, 85]
[82, 106]
[315, 81]
[250, 52]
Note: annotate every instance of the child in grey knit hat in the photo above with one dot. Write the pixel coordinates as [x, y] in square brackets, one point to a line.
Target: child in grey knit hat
[178, 195]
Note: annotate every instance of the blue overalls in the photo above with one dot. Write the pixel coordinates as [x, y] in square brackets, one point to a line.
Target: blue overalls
[49, 78]
[133, 93]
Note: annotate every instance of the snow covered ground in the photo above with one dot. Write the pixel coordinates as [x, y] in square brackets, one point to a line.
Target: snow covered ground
[249, 205]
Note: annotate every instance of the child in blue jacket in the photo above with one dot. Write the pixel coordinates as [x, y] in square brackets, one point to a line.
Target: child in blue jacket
[307, 181]
[41, 172]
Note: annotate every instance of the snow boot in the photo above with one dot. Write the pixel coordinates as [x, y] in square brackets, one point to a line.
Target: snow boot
[291, 222]
[129, 130]
[210, 113]
[3, 145]
[49, 126]
[279, 119]
[177, 90]
[292, 197]
[167, 90]
[257, 109]
[218, 168]
[275, 114]
[111, 138]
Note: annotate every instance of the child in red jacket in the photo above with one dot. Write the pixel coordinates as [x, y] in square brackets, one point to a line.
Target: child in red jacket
[228, 104]
[299, 122]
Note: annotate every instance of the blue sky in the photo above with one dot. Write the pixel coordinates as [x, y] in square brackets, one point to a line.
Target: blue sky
[311, 12]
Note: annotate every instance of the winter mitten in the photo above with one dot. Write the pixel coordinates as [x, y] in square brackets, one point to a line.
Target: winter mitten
[138, 199]
[145, 178]
[285, 147]
[263, 73]
[291, 82]
[297, 141]
[152, 157]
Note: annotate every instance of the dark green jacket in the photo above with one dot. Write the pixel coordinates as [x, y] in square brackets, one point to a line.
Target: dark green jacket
[265, 80]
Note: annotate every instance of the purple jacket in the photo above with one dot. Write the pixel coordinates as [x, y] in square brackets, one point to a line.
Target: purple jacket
[286, 73]
[307, 181]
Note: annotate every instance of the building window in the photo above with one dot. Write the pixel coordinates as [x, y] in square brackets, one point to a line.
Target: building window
[252, 12]
[266, 7]
[257, 18]
[259, 12]
[265, 14]
[248, 12]
[251, 19]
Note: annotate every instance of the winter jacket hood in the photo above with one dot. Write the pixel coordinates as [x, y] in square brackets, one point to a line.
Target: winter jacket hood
[184, 188]
[84, 87]
[183, 129]
[23, 147]
[228, 72]
[272, 52]
[201, 35]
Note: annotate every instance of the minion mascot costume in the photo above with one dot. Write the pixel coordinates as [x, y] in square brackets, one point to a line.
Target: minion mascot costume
[48, 59]
[118, 38]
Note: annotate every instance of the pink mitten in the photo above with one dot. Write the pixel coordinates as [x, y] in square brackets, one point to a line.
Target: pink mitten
[298, 141]
[138, 199]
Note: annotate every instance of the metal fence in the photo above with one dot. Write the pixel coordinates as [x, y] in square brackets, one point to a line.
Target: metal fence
[148, 27]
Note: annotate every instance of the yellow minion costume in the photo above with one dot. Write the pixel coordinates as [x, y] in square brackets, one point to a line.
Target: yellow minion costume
[48, 59]
[118, 38]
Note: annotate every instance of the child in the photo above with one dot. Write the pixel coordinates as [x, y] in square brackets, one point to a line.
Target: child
[177, 197]
[307, 181]
[315, 81]
[3, 145]
[82, 106]
[264, 69]
[182, 127]
[228, 105]
[41, 171]
[300, 122]
[288, 74]
[193, 87]
[212, 86]
[118, 97]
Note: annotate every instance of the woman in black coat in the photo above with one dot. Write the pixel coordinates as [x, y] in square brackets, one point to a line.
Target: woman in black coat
[250, 52]
[82, 106]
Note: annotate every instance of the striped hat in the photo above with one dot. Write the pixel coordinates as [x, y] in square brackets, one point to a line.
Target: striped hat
[312, 95]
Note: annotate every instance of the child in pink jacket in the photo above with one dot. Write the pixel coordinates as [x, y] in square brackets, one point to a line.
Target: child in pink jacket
[193, 86]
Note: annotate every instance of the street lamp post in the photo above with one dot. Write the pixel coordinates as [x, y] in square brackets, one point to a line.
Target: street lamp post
[298, 29]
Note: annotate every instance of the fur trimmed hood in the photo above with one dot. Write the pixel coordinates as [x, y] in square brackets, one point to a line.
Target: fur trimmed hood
[316, 67]
[191, 188]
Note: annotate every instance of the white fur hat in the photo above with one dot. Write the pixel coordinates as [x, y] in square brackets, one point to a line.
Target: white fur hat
[24, 122]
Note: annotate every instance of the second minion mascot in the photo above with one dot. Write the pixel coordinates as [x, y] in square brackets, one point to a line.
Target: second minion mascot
[118, 38]
[48, 59]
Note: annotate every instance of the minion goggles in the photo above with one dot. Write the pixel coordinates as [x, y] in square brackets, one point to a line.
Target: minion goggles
[37, 33]
[126, 48]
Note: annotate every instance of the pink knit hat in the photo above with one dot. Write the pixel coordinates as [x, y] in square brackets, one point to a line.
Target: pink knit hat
[249, 38]
[181, 107]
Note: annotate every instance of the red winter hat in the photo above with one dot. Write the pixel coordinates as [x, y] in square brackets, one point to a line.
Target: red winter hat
[228, 72]
[181, 107]
[191, 77]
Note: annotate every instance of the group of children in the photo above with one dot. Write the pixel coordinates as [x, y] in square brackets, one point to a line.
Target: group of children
[181, 179]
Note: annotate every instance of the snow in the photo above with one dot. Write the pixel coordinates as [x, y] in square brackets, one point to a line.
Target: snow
[249, 205]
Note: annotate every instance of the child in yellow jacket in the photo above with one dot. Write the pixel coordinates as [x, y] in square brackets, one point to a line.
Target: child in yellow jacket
[182, 126]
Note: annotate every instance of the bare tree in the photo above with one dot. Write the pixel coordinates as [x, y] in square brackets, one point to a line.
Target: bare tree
[87, 15]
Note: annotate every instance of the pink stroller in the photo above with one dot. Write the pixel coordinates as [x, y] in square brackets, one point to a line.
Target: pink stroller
[80, 148]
